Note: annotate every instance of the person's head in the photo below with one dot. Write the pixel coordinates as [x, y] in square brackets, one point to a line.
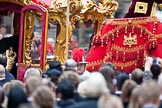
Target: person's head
[78, 56]
[81, 68]
[8, 85]
[135, 100]
[127, 88]
[71, 76]
[156, 70]
[121, 78]
[33, 46]
[16, 97]
[151, 92]
[94, 85]
[49, 83]
[70, 65]
[32, 71]
[43, 97]
[55, 65]
[31, 83]
[109, 76]
[53, 75]
[37, 38]
[66, 89]
[110, 64]
[2, 71]
[137, 76]
[51, 41]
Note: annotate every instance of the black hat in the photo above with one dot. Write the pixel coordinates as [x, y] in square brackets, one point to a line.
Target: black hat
[53, 72]
[55, 65]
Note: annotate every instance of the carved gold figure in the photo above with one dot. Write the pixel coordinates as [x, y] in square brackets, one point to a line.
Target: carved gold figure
[79, 9]
[10, 55]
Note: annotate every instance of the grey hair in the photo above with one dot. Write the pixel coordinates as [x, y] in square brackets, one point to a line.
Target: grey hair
[32, 71]
[70, 64]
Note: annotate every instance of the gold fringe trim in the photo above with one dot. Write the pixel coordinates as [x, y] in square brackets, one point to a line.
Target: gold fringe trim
[144, 29]
[129, 63]
[131, 21]
[94, 63]
[123, 49]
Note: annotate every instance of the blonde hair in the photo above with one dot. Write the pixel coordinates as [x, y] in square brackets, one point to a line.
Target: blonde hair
[95, 85]
[109, 101]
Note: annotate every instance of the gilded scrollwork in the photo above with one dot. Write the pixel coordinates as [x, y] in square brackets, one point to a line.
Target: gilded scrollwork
[28, 34]
[107, 7]
[79, 9]
[58, 16]
[97, 12]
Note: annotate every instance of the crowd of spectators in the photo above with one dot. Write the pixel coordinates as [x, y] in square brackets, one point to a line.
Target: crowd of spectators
[62, 87]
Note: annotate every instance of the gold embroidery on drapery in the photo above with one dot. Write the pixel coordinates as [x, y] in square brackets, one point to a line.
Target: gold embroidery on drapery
[126, 64]
[126, 50]
[130, 40]
[94, 63]
[154, 8]
[141, 7]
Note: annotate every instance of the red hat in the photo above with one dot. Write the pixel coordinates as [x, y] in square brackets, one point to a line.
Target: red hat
[78, 55]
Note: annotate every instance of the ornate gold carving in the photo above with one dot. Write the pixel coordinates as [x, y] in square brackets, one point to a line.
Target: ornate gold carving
[141, 7]
[57, 15]
[107, 7]
[87, 10]
[10, 55]
[130, 40]
[79, 9]
[28, 34]
[93, 11]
